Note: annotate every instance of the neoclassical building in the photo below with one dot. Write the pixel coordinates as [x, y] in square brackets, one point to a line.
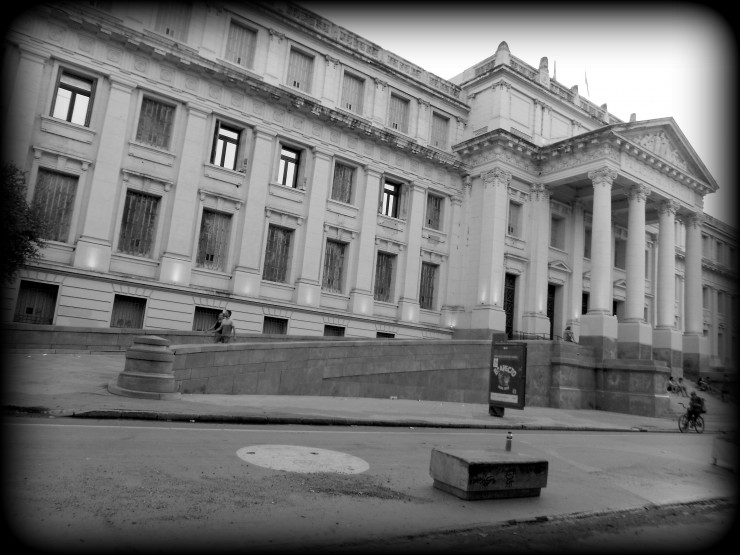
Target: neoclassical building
[258, 157]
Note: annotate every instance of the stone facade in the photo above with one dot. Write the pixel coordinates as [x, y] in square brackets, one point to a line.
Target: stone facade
[260, 158]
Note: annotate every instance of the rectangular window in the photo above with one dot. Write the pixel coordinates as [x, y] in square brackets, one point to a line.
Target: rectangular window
[720, 303]
[587, 243]
[138, 227]
[353, 91]
[399, 114]
[427, 284]
[385, 335]
[584, 303]
[205, 318]
[333, 331]
[128, 312]
[173, 20]
[155, 123]
[384, 277]
[275, 326]
[440, 131]
[434, 212]
[73, 98]
[55, 198]
[344, 177]
[277, 254]
[300, 70]
[288, 168]
[240, 45]
[514, 227]
[213, 241]
[333, 266]
[225, 146]
[705, 297]
[36, 303]
[391, 199]
[557, 233]
[620, 254]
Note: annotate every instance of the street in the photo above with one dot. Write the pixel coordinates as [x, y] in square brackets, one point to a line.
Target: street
[145, 486]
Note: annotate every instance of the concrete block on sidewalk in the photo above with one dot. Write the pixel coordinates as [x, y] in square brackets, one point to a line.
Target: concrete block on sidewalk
[475, 474]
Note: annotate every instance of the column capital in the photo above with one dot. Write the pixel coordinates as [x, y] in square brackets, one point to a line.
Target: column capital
[602, 176]
[497, 176]
[694, 220]
[639, 192]
[668, 207]
[540, 191]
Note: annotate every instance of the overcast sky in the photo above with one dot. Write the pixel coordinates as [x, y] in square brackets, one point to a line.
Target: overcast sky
[658, 60]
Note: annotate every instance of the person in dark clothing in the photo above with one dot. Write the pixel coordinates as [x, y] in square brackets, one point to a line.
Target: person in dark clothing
[216, 328]
[696, 406]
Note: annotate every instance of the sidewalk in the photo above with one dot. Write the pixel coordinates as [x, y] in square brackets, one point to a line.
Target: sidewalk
[76, 384]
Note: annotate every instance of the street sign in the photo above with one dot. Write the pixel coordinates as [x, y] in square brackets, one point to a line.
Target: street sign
[507, 376]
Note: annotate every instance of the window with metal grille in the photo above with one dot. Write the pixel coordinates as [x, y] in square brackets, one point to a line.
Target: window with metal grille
[36, 303]
[333, 266]
[344, 177]
[240, 45]
[398, 115]
[128, 312]
[584, 303]
[391, 199]
[275, 326]
[225, 146]
[300, 70]
[434, 211]
[213, 241]
[426, 287]
[440, 131]
[73, 99]
[557, 232]
[155, 123]
[138, 227]
[514, 227]
[383, 290]
[55, 198]
[353, 90]
[620, 254]
[173, 20]
[277, 254]
[204, 318]
[333, 331]
[385, 335]
[587, 243]
[288, 168]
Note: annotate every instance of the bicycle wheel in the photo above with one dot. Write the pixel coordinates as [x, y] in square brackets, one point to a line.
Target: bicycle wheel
[683, 423]
[699, 425]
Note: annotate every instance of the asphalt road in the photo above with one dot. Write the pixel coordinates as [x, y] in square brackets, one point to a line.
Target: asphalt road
[132, 486]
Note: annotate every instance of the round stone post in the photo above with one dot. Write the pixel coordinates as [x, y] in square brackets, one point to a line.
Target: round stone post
[148, 372]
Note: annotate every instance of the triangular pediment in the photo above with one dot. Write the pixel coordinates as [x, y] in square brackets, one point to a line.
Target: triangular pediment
[558, 265]
[663, 139]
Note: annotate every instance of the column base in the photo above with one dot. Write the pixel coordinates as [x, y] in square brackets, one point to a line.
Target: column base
[246, 282]
[600, 333]
[307, 293]
[536, 323]
[668, 347]
[696, 355]
[635, 340]
[488, 317]
[92, 254]
[361, 302]
[175, 268]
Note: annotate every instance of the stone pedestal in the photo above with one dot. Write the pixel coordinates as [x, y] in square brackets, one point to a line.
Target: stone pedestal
[148, 372]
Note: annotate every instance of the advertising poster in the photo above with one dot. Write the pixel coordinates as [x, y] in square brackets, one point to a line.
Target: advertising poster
[508, 372]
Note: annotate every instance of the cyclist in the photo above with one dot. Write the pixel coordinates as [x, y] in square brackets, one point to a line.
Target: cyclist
[696, 406]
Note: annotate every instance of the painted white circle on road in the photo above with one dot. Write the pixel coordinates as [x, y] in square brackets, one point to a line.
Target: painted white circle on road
[295, 458]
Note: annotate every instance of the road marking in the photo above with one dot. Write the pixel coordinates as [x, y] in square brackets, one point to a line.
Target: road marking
[295, 458]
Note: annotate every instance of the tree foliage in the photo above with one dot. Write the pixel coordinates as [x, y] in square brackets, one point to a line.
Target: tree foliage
[22, 225]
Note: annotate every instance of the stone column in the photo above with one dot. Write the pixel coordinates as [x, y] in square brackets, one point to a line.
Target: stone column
[534, 316]
[575, 284]
[409, 273]
[599, 326]
[635, 335]
[94, 243]
[24, 88]
[177, 258]
[308, 284]
[361, 299]
[247, 274]
[695, 348]
[488, 313]
[667, 343]
[453, 304]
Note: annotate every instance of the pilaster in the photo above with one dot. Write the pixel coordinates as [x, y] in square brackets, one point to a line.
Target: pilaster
[408, 304]
[361, 299]
[534, 317]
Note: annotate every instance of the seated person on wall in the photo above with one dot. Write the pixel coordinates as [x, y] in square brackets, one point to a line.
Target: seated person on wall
[672, 386]
[226, 329]
[682, 388]
[569, 337]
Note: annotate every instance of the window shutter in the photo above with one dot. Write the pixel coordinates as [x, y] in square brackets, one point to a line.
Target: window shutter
[440, 126]
[399, 116]
[352, 92]
[240, 45]
[300, 69]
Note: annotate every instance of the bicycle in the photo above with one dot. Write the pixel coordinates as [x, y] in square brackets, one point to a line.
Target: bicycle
[685, 422]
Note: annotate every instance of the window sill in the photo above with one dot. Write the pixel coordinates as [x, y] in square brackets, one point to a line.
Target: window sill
[151, 153]
[68, 130]
[232, 177]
